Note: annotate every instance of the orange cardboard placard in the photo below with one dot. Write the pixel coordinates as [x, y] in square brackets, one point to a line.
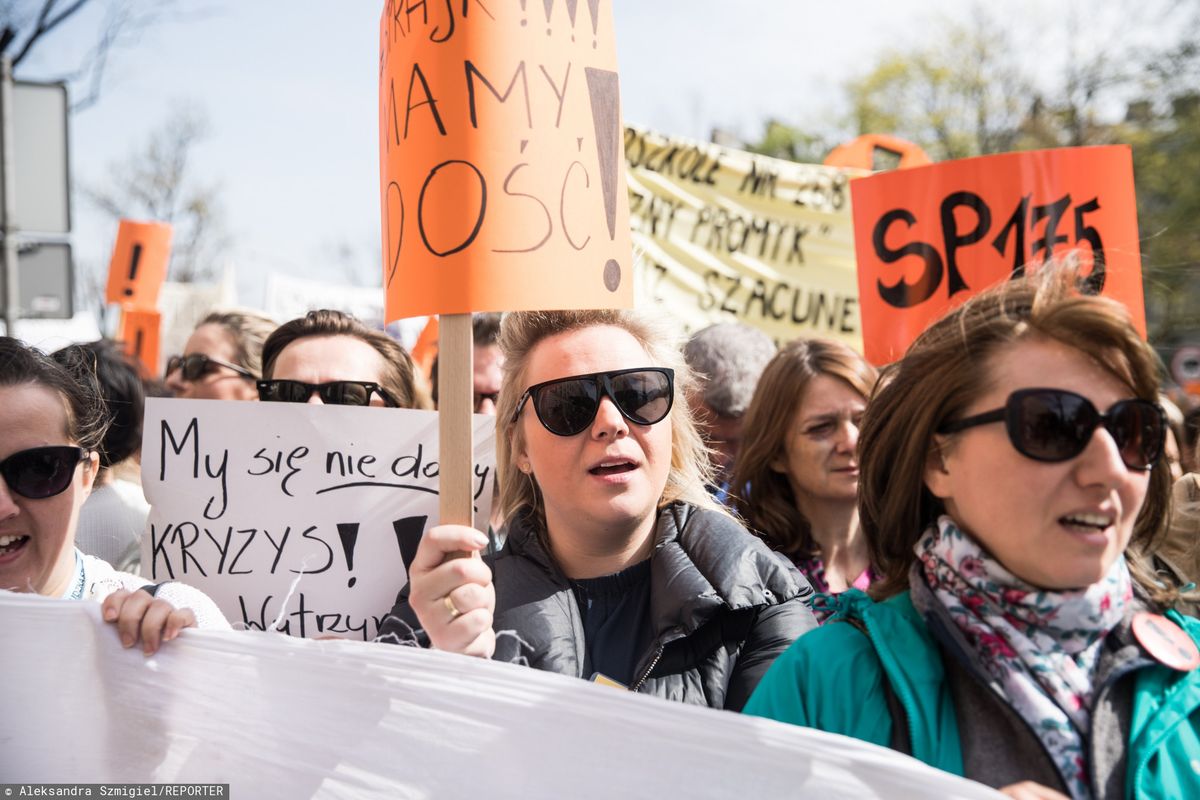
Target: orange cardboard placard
[139, 264]
[140, 335]
[426, 348]
[928, 238]
[860, 152]
[502, 168]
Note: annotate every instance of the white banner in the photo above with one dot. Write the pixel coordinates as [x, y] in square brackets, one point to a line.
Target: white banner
[183, 305]
[280, 717]
[289, 297]
[295, 515]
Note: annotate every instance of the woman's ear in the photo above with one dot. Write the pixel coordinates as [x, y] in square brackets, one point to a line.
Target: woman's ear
[520, 456]
[91, 468]
[937, 474]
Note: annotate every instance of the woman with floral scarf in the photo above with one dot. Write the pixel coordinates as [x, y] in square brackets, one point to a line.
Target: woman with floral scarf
[1011, 482]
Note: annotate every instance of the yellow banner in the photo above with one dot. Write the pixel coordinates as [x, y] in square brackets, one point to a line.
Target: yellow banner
[721, 234]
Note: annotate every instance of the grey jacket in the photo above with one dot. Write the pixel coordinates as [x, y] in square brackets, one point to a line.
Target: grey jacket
[723, 607]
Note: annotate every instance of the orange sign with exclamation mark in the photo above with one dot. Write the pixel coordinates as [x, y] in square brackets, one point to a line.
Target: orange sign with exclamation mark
[140, 335]
[139, 264]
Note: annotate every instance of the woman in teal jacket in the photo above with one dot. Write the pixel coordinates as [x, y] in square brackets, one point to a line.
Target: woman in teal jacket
[1012, 482]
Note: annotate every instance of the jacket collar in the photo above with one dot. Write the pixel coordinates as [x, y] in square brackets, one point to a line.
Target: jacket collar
[680, 596]
[693, 572]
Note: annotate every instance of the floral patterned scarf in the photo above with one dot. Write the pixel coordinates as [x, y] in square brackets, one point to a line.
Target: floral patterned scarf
[1042, 647]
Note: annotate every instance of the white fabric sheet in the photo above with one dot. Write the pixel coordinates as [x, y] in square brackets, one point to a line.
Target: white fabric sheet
[283, 717]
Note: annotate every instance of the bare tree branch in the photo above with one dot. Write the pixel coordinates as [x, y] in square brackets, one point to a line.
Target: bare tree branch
[45, 25]
[121, 25]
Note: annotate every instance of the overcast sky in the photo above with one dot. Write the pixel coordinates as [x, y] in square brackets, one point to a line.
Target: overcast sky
[290, 92]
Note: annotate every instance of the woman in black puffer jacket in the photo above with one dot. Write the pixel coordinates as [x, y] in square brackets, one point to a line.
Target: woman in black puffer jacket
[618, 566]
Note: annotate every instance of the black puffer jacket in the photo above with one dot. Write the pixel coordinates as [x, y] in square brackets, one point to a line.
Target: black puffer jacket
[723, 607]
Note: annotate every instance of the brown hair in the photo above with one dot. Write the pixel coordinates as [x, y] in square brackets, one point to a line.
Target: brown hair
[397, 377]
[763, 495]
[72, 377]
[520, 332]
[948, 367]
[248, 330]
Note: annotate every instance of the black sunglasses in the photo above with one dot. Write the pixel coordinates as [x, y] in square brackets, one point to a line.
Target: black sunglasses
[41, 472]
[567, 406]
[196, 365]
[1056, 425]
[334, 393]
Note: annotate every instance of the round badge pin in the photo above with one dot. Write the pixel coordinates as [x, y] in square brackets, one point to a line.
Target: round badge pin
[1166, 642]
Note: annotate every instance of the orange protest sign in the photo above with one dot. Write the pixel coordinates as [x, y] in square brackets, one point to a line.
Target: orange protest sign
[861, 152]
[928, 238]
[140, 334]
[426, 348]
[139, 264]
[502, 170]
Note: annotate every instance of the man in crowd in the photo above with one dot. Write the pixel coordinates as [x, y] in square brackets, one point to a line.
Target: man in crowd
[487, 361]
[728, 358]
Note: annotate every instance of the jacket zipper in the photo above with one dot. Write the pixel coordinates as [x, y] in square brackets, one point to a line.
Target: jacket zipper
[646, 673]
[901, 691]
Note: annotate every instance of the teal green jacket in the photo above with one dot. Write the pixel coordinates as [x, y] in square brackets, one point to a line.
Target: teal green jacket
[830, 675]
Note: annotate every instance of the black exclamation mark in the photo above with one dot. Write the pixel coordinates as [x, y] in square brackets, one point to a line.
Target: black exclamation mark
[524, 21]
[594, 8]
[572, 10]
[604, 93]
[549, 4]
[133, 265]
[348, 531]
[408, 536]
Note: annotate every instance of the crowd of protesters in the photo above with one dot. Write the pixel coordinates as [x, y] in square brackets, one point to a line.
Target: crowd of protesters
[974, 556]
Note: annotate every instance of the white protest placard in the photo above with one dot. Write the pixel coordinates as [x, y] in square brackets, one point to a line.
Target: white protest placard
[295, 515]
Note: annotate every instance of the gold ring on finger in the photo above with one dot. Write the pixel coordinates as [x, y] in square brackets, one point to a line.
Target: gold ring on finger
[453, 609]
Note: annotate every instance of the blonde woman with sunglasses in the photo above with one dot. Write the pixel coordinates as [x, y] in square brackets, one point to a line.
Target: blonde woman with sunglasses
[1012, 479]
[618, 566]
[222, 358]
[52, 423]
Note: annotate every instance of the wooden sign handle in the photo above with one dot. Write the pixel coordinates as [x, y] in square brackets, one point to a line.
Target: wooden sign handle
[456, 393]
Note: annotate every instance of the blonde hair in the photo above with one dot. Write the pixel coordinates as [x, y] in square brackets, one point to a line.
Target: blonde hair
[249, 331]
[763, 495]
[948, 367]
[521, 332]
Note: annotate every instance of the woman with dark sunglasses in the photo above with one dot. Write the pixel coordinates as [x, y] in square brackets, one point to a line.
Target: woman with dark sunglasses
[332, 358]
[618, 567]
[222, 358]
[1012, 481]
[52, 424]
